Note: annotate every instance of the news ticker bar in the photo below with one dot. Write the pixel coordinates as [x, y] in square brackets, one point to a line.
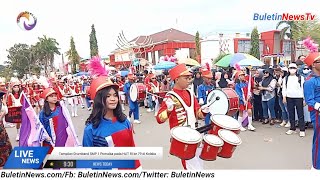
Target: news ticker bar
[106, 153]
[92, 164]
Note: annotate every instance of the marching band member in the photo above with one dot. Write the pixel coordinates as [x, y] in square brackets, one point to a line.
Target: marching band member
[53, 120]
[181, 108]
[15, 100]
[61, 89]
[78, 90]
[36, 96]
[312, 98]
[5, 146]
[121, 93]
[4, 101]
[204, 89]
[107, 125]
[153, 87]
[84, 89]
[133, 106]
[241, 88]
[72, 99]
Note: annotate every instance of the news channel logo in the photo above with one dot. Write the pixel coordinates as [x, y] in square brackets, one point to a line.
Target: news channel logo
[26, 21]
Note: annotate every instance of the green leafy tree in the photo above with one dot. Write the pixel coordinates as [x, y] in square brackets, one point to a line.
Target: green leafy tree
[290, 28]
[94, 51]
[19, 59]
[73, 56]
[255, 49]
[307, 28]
[198, 45]
[44, 52]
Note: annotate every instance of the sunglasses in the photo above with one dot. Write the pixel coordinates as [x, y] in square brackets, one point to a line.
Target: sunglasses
[306, 69]
[292, 68]
[265, 72]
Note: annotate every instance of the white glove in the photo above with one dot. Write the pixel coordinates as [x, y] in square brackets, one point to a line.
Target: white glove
[169, 103]
[205, 109]
[181, 114]
[201, 102]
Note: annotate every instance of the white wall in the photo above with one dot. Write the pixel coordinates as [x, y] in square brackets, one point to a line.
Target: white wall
[182, 53]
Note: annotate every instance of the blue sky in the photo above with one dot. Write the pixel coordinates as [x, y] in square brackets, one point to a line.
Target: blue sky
[61, 19]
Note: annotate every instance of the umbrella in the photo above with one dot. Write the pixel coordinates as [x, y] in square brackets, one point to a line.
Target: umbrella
[163, 65]
[225, 61]
[190, 62]
[232, 59]
[124, 73]
[82, 74]
[251, 62]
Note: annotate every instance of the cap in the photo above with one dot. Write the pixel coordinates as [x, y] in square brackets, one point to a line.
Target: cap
[47, 92]
[100, 83]
[311, 58]
[238, 73]
[179, 70]
[131, 76]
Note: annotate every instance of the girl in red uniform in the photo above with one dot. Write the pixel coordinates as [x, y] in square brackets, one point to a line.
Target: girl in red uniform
[15, 100]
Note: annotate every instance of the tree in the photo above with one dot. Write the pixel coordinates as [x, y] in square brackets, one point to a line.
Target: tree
[255, 49]
[198, 45]
[19, 59]
[94, 51]
[288, 30]
[44, 52]
[73, 56]
[307, 28]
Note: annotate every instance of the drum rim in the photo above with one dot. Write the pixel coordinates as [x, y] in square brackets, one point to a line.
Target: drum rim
[210, 143]
[225, 95]
[237, 128]
[183, 141]
[226, 140]
[134, 84]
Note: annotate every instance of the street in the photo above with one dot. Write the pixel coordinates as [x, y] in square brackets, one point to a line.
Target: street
[267, 148]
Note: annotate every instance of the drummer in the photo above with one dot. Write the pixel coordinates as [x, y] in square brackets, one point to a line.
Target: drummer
[133, 106]
[181, 108]
[120, 83]
[204, 89]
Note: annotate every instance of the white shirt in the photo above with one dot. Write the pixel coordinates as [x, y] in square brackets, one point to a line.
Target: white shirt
[293, 89]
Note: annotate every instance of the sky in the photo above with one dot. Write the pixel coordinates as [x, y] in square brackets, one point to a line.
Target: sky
[61, 19]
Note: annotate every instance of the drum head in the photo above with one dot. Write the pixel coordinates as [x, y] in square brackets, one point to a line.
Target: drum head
[213, 140]
[220, 106]
[229, 137]
[186, 135]
[133, 92]
[226, 122]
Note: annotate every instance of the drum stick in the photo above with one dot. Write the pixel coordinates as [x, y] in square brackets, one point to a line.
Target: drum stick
[211, 102]
[155, 95]
[204, 128]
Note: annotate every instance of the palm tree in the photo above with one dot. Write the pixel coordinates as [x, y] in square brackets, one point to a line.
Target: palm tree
[292, 27]
[46, 48]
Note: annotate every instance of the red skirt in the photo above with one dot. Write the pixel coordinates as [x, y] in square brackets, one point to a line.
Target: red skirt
[243, 107]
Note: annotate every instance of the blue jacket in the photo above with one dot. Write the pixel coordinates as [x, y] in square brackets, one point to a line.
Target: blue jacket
[312, 90]
[203, 91]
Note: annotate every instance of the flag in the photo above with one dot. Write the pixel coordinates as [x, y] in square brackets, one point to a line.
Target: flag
[65, 133]
[245, 116]
[32, 132]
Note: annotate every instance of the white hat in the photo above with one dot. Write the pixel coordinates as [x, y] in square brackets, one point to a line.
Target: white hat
[284, 69]
[293, 65]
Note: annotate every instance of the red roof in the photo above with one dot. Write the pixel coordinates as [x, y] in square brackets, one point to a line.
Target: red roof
[169, 35]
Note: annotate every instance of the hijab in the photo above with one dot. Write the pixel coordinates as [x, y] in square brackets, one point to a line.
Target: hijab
[223, 83]
[266, 81]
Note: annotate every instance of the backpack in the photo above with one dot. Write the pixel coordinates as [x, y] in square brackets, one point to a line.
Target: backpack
[299, 80]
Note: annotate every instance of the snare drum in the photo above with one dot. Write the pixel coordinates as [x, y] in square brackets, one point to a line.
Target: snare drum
[212, 145]
[184, 142]
[228, 102]
[231, 141]
[137, 92]
[224, 122]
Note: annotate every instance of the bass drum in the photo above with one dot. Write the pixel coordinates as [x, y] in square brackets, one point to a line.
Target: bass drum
[226, 101]
[137, 92]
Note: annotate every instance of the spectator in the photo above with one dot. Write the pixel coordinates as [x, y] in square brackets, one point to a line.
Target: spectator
[292, 91]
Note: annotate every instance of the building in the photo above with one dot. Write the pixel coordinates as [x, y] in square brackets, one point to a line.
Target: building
[170, 42]
[271, 46]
